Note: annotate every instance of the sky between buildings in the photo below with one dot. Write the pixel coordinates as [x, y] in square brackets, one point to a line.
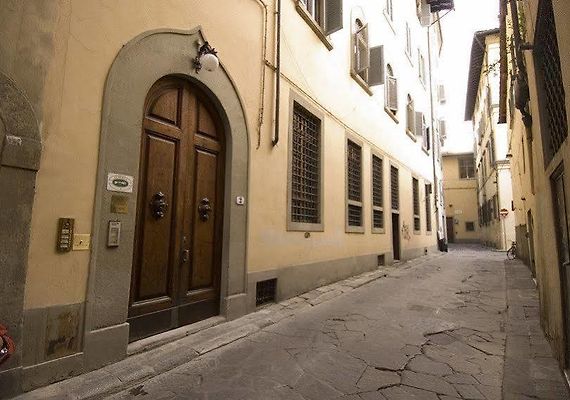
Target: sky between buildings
[459, 26]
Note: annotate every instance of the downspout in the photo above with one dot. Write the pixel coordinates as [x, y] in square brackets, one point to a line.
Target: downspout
[264, 64]
[433, 138]
[277, 74]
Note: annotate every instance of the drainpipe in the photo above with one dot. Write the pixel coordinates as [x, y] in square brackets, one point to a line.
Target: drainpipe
[264, 64]
[433, 139]
[277, 74]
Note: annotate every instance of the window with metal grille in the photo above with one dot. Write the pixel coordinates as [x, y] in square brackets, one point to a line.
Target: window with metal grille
[265, 291]
[467, 167]
[305, 167]
[377, 193]
[416, 205]
[549, 76]
[394, 188]
[470, 226]
[428, 207]
[354, 183]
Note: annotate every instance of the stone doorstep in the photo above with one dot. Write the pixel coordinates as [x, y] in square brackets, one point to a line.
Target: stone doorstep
[161, 353]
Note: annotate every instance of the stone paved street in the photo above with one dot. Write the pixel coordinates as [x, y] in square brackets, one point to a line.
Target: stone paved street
[435, 328]
[433, 331]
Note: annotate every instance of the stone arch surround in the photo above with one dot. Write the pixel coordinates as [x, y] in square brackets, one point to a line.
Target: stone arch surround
[139, 64]
[20, 153]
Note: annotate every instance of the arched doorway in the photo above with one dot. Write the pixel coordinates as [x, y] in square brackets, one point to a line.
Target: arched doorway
[175, 276]
[133, 77]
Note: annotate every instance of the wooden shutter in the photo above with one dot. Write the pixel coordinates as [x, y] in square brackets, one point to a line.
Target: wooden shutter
[392, 93]
[333, 16]
[419, 124]
[442, 128]
[376, 73]
[425, 13]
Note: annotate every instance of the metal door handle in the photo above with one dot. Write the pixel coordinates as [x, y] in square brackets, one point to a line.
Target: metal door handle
[158, 205]
[204, 209]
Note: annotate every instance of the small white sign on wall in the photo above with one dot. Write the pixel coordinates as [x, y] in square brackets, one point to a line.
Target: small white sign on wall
[120, 183]
[458, 212]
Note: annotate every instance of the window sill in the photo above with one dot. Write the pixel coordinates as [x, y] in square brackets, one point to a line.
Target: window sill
[409, 57]
[411, 135]
[361, 82]
[355, 229]
[314, 26]
[378, 231]
[417, 232]
[390, 21]
[391, 114]
[304, 227]
[429, 233]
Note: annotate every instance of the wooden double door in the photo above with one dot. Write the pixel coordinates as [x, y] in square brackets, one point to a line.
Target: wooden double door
[177, 254]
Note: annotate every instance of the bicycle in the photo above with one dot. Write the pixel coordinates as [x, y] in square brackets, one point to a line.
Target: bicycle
[512, 252]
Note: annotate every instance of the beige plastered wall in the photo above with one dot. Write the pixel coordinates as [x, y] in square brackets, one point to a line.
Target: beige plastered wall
[76, 60]
[85, 37]
[460, 200]
[547, 265]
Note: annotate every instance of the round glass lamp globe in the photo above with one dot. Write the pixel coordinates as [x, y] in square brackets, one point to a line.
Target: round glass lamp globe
[210, 62]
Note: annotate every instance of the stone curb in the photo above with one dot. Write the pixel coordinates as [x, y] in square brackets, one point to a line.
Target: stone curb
[143, 365]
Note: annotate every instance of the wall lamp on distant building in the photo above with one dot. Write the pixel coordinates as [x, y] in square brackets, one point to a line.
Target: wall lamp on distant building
[206, 58]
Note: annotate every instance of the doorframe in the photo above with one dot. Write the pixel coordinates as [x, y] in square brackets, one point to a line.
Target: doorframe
[138, 66]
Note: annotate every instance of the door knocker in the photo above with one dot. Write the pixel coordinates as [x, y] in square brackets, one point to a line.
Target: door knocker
[204, 209]
[158, 205]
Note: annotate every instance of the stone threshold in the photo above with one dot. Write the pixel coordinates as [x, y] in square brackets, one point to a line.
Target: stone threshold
[161, 353]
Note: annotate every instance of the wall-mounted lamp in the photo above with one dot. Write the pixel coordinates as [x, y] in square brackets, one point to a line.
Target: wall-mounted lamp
[206, 58]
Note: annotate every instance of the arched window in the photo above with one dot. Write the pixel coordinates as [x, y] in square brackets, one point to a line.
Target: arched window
[361, 53]
[410, 115]
[391, 90]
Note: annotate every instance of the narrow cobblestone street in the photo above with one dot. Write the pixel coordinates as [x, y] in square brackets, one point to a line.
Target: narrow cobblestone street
[435, 328]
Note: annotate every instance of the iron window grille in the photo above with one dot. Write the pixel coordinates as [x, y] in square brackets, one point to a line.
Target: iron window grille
[265, 292]
[470, 226]
[305, 167]
[377, 193]
[416, 205]
[549, 75]
[354, 183]
[394, 188]
[428, 207]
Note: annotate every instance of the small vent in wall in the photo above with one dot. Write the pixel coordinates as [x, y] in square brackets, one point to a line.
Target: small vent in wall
[265, 291]
[381, 260]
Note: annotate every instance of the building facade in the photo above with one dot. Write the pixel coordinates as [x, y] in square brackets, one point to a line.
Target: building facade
[534, 108]
[148, 189]
[492, 160]
[460, 193]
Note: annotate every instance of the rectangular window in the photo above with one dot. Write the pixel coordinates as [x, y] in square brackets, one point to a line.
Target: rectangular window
[428, 207]
[551, 95]
[394, 188]
[470, 226]
[421, 67]
[416, 205]
[377, 194]
[305, 158]
[354, 184]
[315, 9]
[466, 167]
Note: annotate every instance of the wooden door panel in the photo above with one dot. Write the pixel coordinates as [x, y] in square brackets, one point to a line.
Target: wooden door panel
[204, 234]
[167, 106]
[156, 251]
